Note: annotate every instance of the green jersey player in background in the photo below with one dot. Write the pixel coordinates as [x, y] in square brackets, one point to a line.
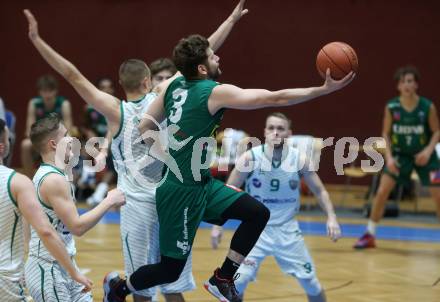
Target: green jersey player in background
[411, 130]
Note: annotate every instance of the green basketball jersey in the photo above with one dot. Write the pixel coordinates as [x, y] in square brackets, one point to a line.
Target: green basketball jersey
[41, 110]
[410, 131]
[186, 105]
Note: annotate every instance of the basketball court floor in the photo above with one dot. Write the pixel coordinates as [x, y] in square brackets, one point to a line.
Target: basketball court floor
[404, 267]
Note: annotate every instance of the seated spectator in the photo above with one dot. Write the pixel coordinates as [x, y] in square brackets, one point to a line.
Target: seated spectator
[46, 102]
[2, 110]
[161, 70]
[10, 120]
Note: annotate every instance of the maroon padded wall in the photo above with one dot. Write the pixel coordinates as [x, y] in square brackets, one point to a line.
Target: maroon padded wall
[273, 47]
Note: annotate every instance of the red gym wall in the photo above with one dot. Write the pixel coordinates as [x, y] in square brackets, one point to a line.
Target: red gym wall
[273, 47]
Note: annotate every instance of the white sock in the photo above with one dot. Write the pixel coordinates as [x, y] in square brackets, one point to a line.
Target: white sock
[130, 287]
[100, 192]
[371, 227]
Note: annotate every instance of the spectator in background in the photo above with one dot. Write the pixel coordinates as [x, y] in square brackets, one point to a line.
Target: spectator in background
[161, 70]
[2, 110]
[9, 118]
[96, 126]
[47, 102]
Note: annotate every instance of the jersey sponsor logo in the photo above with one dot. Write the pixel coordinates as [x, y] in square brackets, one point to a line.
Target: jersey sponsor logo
[94, 115]
[435, 177]
[184, 246]
[293, 183]
[256, 182]
[279, 200]
[403, 129]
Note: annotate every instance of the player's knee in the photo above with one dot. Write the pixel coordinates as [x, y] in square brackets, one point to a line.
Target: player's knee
[311, 286]
[172, 269]
[263, 213]
[171, 277]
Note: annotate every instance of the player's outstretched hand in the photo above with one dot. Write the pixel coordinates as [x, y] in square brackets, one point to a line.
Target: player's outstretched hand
[116, 197]
[33, 25]
[239, 11]
[333, 229]
[332, 85]
[216, 236]
[80, 278]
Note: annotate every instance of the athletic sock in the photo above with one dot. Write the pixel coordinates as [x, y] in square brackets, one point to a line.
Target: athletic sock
[371, 227]
[228, 269]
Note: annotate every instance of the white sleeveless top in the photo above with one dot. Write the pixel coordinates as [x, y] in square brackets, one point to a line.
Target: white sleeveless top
[11, 230]
[129, 153]
[276, 186]
[36, 247]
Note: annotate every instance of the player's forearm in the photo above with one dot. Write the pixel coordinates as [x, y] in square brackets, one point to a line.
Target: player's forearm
[91, 218]
[388, 151]
[56, 248]
[55, 60]
[326, 204]
[219, 36]
[433, 142]
[236, 179]
[288, 97]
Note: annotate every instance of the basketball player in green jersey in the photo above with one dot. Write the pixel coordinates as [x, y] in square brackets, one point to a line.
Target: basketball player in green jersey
[193, 105]
[18, 200]
[411, 130]
[46, 102]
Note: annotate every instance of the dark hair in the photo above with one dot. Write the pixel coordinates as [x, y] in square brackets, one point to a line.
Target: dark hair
[2, 128]
[42, 129]
[189, 53]
[47, 82]
[131, 74]
[403, 71]
[281, 116]
[162, 64]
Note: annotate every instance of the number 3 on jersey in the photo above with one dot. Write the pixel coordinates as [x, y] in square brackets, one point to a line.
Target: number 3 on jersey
[179, 96]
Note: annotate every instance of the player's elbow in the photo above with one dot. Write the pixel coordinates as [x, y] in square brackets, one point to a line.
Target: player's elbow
[45, 231]
[72, 74]
[78, 230]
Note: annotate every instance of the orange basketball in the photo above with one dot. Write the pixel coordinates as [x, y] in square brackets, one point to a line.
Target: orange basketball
[339, 57]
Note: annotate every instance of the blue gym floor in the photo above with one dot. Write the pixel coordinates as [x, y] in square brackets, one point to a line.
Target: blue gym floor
[313, 228]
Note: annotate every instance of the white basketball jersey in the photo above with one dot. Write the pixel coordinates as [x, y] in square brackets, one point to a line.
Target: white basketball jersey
[11, 230]
[276, 186]
[36, 247]
[129, 153]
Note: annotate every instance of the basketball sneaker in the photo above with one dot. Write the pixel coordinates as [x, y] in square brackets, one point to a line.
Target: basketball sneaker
[365, 242]
[111, 282]
[223, 289]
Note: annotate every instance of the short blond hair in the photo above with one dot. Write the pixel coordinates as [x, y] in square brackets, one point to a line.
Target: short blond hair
[281, 116]
[131, 74]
